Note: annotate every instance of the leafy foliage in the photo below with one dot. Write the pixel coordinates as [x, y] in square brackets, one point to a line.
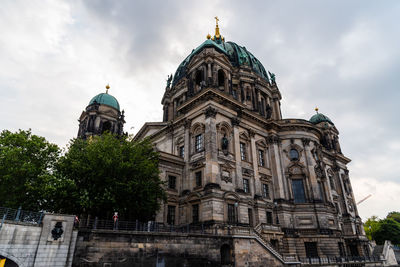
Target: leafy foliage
[107, 174]
[370, 226]
[386, 229]
[26, 170]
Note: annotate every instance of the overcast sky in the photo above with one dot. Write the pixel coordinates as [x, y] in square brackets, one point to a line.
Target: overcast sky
[342, 56]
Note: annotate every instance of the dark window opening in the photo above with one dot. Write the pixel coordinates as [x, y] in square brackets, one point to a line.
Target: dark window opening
[269, 217]
[265, 191]
[274, 243]
[261, 160]
[221, 78]
[199, 77]
[321, 191]
[198, 178]
[195, 213]
[298, 191]
[341, 249]
[234, 94]
[332, 183]
[311, 249]
[198, 142]
[246, 187]
[171, 215]
[226, 255]
[294, 154]
[354, 250]
[231, 213]
[250, 214]
[242, 151]
[106, 127]
[171, 182]
[182, 151]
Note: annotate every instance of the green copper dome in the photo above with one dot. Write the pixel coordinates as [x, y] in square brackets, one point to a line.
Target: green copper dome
[105, 99]
[319, 117]
[238, 56]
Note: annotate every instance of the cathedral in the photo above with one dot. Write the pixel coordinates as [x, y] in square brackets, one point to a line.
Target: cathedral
[229, 159]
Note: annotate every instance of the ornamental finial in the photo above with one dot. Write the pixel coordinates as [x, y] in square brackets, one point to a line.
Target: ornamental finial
[217, 35]
[316, 110]
[107, 87]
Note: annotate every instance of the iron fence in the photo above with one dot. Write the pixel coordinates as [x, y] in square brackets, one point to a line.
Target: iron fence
[19, 215]
[339, 260]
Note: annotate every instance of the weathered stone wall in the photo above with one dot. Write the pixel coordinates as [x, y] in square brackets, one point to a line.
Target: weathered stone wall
[31, 245]
[101, 247]
[249, 252]
[143, 249]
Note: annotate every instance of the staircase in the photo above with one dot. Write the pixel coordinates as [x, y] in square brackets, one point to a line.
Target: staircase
[265, 243]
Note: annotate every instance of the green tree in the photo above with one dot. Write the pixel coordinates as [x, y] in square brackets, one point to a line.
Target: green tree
[388, 229]
[107, 174]
[27, 163]
[370, 226]
[394, 215]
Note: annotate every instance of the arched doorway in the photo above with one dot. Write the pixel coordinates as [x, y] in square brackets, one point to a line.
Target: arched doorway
[8, 262]
[226, 254]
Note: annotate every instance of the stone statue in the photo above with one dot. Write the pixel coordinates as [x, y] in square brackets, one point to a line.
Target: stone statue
[268, 111]
[272, 75]
[169, 80]
[225, 143]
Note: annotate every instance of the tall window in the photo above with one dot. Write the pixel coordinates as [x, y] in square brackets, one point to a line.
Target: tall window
[246, 187]
[269, 217]
[294, 154]
[243, 151]
[311, 249]
[182, 151]
[171, 215]
[198, 142]
[231, 213]
[171, 182]
[198, 178]
[298, 191]
[321, 191]
[265, 191]
[195, 213]
[261, 160]
[332, 182]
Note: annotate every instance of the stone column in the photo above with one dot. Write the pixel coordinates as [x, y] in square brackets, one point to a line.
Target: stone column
[276, 109]
[276, 169]
[186, 171]
[236, 146]
[210, 145]
[256, 183]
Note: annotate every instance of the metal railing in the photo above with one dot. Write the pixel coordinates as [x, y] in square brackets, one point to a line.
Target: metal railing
[339, 260]
[19, 215]
[151, 226]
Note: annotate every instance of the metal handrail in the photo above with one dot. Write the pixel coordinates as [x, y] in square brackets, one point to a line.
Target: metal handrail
[20, 215]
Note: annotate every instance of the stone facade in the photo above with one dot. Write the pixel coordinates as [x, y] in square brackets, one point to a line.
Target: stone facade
[229, 158]
[28, 245]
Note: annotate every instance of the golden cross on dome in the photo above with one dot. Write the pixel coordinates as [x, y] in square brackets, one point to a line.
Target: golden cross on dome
[107, 87]
[216, 20]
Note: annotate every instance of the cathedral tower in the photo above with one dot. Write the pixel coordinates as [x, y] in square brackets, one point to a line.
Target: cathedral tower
[101, 115]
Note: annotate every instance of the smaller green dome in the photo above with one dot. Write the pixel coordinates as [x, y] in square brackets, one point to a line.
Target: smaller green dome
[319, 117]
[105, 99]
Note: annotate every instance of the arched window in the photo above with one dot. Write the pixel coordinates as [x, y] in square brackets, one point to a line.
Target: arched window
[221, 79]
[298, 191]
[106, 127]
[199, 77]
[294, 154]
